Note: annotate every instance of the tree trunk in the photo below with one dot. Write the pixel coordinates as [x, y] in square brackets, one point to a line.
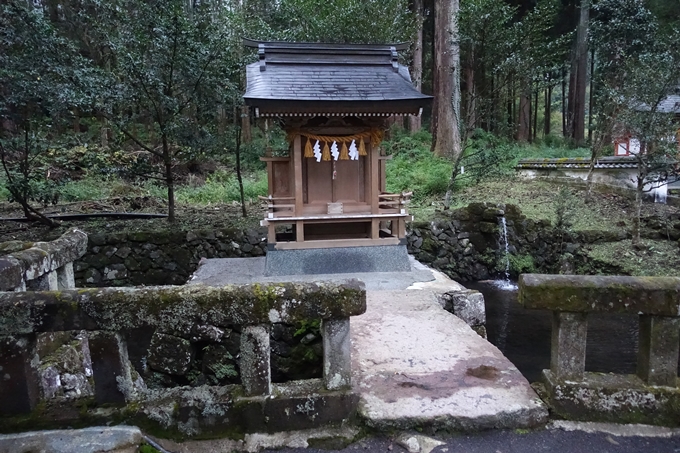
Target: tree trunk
[638, 210]
[564, 105]
[247, 135]
[591, 100]
[471, 107]
[415, 122]
[547, 112]
[238, 173]
[447, 139]
[533, 138]
[578, 78]
[169, 178]
[524, 121]
[510, 107]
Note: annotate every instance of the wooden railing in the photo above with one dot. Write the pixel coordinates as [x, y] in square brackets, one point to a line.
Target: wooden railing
[394, 203]
[279, 206]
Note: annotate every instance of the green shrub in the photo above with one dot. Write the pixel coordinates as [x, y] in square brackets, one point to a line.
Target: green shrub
[222, 187]
[414, 168]
[522, 264]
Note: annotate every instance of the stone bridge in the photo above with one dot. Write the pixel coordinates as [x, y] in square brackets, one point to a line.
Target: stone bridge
[118, 392]
[118, 395]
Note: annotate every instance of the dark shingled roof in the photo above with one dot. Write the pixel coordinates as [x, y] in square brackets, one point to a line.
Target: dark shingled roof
[307, 78]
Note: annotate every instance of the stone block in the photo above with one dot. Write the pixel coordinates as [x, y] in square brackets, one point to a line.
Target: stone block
[337, 364]
[255, 360]
[568, 346]
[597, 293]
[45, 282]
[110, 367]
[467, 305]
[113, 439]
[657, 362]
[114, 272]
[19, 377]
[65, 277]
[11, 273]
[612, 398]
[170, 354]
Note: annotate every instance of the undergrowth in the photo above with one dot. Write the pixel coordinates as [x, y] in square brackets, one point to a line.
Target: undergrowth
[656, 258]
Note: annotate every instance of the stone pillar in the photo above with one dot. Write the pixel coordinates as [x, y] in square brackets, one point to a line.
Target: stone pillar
[110, 367]
[255, 360]
[657, 362]
[46, 282]
[568, 347]
[65, 277]
[337, 369]
[19, 378]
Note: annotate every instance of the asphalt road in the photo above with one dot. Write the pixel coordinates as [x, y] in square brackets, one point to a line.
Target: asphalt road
[540, 441]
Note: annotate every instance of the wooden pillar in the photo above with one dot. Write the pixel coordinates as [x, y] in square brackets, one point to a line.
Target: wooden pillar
[375, 177]
[299, 231]
[297, 170]
[375, 189]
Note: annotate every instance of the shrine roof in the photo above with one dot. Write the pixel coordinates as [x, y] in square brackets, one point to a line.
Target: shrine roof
[312, 78]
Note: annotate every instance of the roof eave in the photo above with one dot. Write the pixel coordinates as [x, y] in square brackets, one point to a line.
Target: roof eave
[269, 107]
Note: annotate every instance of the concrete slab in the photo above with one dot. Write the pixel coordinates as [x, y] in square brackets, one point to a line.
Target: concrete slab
[413, 363]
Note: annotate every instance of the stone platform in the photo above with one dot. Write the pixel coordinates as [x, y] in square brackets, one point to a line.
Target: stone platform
[340, 260]
[413, 363]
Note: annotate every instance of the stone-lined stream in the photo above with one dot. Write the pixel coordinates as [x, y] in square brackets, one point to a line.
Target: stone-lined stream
[523, 336]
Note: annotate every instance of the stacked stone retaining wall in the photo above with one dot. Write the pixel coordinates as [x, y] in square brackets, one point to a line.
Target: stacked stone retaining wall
[160, 257]
[467, 243]
[464, 243]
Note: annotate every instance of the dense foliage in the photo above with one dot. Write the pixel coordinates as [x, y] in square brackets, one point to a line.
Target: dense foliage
[151, 90]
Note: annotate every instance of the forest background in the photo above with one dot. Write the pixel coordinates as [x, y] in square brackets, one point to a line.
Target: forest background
[109, 98]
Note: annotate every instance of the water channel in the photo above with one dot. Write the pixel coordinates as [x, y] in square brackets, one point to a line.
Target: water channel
[523, 336]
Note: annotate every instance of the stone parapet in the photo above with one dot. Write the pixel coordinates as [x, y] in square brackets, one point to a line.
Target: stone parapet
[652, 396]
[178, 308]
[43, 265]
[225, 410]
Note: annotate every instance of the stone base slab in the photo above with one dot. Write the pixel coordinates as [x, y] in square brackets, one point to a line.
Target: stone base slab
[418, 366]
[340, 260]
[612, 398]
[114, 439]
[209, 412]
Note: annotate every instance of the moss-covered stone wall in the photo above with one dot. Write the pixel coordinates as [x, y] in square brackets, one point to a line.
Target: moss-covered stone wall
[467, 243]
[160, 257]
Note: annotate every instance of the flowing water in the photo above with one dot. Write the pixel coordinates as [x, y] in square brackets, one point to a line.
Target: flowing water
[506, 283]
[661, 194]
[523, 336]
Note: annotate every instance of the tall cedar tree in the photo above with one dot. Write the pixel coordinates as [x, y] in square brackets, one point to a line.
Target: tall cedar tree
[446, 107]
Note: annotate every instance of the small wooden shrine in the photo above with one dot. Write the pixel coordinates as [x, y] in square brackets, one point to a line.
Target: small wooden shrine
[333, 101]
